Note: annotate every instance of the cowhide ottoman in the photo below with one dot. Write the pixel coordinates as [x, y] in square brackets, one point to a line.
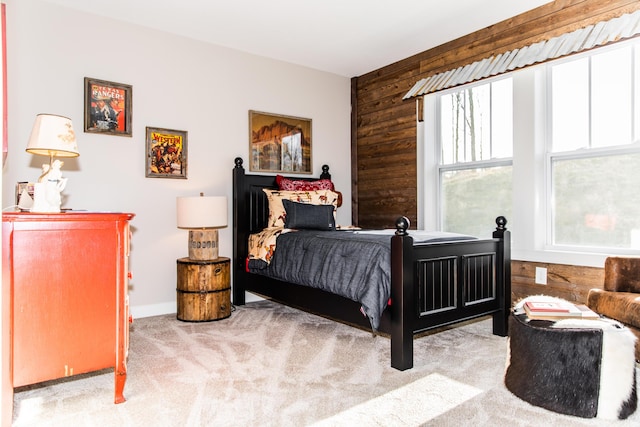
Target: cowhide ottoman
[584, 368]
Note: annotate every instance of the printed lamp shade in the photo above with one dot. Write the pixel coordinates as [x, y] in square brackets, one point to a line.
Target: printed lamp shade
[53, 136]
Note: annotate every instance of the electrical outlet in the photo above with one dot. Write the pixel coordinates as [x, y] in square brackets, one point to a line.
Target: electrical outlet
[541, 275]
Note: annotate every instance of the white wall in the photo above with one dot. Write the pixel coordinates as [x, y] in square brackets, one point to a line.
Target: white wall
[178, 83]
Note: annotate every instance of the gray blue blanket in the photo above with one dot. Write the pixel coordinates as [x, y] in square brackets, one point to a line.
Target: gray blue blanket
[353, 265]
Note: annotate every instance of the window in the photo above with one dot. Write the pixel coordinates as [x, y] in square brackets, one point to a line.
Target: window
[555, 148]
[594, 165]
[474, 170]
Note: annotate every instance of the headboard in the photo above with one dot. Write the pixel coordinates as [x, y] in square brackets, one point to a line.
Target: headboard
[251, 208]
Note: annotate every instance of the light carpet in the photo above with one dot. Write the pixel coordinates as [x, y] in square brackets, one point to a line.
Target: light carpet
[271, 365]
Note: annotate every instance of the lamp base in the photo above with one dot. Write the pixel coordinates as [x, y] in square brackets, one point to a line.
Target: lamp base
[46, 192]
[203, 244]
[46, 197]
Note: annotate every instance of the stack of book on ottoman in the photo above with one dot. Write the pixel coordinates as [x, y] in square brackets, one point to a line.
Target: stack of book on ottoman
[557, 310]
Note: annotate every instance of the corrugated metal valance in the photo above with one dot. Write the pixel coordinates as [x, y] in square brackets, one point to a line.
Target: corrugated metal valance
[599, 34]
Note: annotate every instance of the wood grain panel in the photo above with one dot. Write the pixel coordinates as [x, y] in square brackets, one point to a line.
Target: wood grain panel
[380, 190]
[373, 174]
[388, 136]
[380, 93]
[563, 21]
[377, 122]
[396, 141]
[569, 282]
[385, 124]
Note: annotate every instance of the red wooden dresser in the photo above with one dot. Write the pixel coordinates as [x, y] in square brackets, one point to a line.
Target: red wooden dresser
[65, 303]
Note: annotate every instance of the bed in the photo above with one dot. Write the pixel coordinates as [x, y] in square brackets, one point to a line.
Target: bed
[432, 284]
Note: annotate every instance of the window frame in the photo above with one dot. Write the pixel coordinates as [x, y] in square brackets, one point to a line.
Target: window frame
[478, 164]
[531, 166]
[584, 153]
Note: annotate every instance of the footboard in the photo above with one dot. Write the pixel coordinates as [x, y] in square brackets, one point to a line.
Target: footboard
[439, 284]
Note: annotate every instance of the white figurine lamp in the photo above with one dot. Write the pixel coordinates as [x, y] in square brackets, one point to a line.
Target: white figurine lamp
[52, 136]
[202, 216]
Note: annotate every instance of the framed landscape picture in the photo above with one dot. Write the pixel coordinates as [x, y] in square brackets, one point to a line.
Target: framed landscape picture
[279, 143]
[107, 107]
[166, 153]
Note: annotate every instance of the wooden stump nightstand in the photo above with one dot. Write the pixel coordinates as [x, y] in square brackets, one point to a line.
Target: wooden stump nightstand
[204, 289]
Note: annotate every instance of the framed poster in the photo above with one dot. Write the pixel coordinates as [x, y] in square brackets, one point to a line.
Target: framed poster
[166, 153]
[279, 143]
[107, 107]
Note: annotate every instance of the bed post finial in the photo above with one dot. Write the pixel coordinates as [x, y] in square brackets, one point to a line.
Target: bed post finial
[325, 172]
[238, 162]
[501, 223]
[402, 224]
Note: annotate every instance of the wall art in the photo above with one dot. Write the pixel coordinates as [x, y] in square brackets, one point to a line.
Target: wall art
[107, 107]
[279, 143]
[166, 153]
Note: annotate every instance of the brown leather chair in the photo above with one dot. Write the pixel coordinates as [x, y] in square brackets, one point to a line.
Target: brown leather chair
[620, 298]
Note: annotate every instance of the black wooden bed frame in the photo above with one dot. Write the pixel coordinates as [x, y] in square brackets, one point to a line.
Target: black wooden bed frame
[432, 285]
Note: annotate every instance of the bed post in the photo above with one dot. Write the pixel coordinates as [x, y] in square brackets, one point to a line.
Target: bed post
[239, 220]
[402, 297]
[501, 318]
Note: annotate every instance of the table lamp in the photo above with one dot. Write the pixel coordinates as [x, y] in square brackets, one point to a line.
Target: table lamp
[202, 216]
[52, 136]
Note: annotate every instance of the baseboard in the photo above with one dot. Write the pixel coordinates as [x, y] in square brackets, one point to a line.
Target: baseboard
[140, 311]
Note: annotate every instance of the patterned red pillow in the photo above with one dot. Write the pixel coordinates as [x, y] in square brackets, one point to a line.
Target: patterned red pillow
[287, 184]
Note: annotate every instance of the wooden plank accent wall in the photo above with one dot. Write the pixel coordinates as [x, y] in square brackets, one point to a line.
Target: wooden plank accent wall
[569, 282]
[384, 126]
